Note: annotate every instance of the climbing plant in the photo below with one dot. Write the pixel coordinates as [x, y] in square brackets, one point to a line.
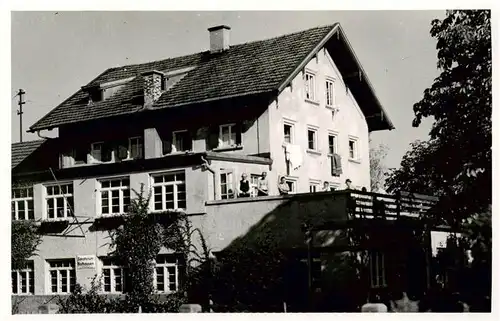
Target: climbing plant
[136, 244]
[24, 242]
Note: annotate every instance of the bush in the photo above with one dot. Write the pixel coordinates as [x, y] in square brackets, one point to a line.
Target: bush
[79, 302]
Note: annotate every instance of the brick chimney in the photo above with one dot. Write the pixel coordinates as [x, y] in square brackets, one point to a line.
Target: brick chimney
[154, 83]
[219, 38]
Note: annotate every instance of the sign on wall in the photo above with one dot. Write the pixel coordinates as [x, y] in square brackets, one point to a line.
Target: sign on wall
[86, 262]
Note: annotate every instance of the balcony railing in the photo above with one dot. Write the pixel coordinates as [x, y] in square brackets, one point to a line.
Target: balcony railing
[390, 207]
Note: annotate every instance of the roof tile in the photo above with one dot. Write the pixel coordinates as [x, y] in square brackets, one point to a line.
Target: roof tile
[22, 150]
[259, 66]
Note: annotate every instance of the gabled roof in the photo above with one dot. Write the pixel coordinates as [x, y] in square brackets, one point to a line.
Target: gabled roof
[251, 68]
[20, 151]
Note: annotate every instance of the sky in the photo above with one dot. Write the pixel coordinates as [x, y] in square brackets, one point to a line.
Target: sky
[55, 53]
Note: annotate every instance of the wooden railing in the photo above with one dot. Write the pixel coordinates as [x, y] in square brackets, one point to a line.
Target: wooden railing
[374, 205]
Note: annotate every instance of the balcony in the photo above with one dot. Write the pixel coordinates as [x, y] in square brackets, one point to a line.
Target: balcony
[282, 218]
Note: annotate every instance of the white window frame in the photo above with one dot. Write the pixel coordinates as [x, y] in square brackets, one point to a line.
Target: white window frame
[111, 267]
[293, 181]
[27, 273]
[139, 148]
[230, 184]
[316, 144]
[253, 186]
[292, 132]
[25, 200]
[94, 150]
[231, 131]
[314, 186]
[176, 183]
[335, 143]
[310, 86]
[334, 186]
[166, 274]
[69, 269]
[121, 189]
[377, 270]
[67, 210]
[99, 161]
[330, 93]
[355, 149]
[174, 141]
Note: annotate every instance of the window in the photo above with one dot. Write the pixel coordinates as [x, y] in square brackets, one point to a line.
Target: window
[335, 168]
[80, 156]
[62, 276]
[22, 203]
[312, 144]
[115, 196]
[332, 144]
[313, 187]
[353, 149]
[135, 147]
[169, 191]
[377, 269]
[228, 135]
[113, 276]
[226, 185]
[287, 133]
[330, 93]
[291, 185]
[181, 141]
[166, 277]
[23, 280]
[254, 182]
[59, 200]
[102, 152]
[310, 86]
[96, 95]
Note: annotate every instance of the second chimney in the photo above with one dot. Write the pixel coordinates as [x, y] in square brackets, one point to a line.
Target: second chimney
[154, 82]
[219, 38]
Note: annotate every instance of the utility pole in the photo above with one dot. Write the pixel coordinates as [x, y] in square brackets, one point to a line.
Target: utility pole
[20, 113]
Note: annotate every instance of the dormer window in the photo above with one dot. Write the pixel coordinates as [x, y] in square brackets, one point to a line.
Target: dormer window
[181, 141]
[102, 152]
[135, 148]
[96, 95]
[229, 135]
[94, 92]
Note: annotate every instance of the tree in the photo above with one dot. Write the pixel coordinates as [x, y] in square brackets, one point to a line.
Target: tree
[378, 169]
[25, 240]
[137, 243]
[455, 163]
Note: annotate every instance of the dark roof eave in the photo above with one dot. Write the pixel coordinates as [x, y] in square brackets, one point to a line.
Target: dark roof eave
[365, 79]
[387, 123]
[253, 93]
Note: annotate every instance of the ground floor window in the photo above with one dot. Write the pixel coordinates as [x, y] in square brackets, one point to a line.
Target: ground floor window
[166, 278]
[23, 280]
[113, 276]
[62, 275]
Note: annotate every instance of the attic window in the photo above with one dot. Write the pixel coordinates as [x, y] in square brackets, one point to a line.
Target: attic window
[96, 95]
